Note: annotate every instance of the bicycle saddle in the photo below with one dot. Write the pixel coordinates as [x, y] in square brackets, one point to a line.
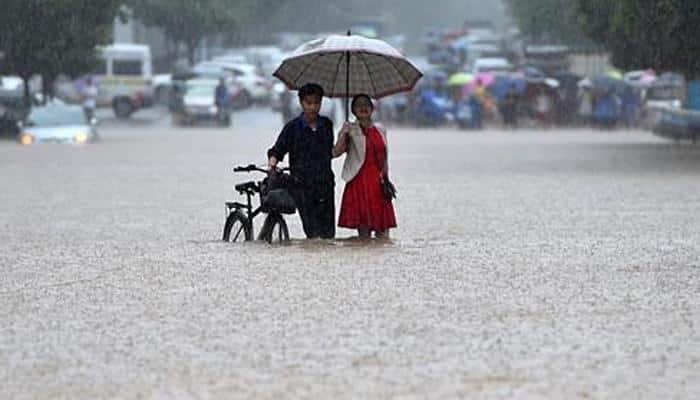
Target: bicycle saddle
[246, 187]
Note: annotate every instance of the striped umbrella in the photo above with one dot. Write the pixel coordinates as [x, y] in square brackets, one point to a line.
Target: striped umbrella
[346, 66]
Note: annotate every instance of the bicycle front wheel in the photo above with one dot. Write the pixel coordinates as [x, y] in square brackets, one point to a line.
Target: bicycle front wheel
[237, 228]
[274, 229]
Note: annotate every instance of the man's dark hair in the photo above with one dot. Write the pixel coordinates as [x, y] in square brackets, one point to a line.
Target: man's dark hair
[310, 89]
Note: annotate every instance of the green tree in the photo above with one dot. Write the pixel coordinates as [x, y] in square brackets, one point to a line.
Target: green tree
[549, 21]
[661, 34]
[188, 22]
[53, 37]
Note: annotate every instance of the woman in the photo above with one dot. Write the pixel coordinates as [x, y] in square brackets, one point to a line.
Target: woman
[364, 206]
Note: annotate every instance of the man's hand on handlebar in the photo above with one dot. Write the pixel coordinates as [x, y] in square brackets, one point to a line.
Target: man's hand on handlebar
[270, 168]
[272, 165]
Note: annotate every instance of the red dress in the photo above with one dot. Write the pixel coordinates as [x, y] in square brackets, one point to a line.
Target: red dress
[364, 204]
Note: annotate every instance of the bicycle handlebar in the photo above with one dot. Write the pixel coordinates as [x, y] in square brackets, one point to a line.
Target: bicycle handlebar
[253, 167]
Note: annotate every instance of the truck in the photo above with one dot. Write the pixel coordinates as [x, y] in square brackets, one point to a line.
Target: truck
[123, 76]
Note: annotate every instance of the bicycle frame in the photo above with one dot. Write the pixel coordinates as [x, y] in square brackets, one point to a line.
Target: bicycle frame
[250, 213]
[250, 191]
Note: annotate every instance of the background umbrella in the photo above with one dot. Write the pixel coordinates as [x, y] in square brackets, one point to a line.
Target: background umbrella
[487, 79]
[460, 79]
[346, 66]
[503, 85]
[615, 74]
[605, 83]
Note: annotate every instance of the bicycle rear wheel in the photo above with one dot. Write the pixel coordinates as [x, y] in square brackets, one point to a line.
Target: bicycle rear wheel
[237, 228]
[274, 229]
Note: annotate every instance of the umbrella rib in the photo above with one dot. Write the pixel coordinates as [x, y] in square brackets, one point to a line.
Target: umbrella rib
[337, 69]
[306, 67]
[398, 70]
[371, 79]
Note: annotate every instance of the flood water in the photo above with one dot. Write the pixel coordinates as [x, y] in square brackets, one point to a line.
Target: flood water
[526, 264]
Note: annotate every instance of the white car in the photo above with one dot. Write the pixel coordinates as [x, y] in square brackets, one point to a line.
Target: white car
[57, 123]
[255, 87]
[198, 104]
[492, 64]
[231, 58]
[11, 83]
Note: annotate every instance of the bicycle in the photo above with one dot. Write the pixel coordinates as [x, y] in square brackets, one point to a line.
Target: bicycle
[239, 221]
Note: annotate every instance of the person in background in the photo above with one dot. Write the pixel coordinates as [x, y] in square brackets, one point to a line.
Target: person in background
[222, 99]
[543, 106]
[89, 94]
[486, 103]
[509, 107]
[585, 105]
[630, 106]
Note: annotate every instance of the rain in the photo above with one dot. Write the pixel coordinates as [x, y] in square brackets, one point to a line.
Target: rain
[349, 199]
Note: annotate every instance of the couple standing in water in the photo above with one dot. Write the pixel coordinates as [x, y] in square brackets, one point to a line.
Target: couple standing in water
[309, 141]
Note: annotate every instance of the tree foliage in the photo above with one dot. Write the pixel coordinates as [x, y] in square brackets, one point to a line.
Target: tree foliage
[188, 22]
[661, 34]
[48, 37]
[549, 21]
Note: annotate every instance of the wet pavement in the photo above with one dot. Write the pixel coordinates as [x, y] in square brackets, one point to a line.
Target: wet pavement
[530, 264]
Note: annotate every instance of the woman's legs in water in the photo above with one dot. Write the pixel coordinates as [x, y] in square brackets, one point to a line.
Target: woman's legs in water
[364, 233]
[382, 234]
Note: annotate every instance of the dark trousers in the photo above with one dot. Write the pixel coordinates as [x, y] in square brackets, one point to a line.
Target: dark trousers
[316, 207]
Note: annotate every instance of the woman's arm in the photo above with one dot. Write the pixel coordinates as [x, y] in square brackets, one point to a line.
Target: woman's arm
[341, 146]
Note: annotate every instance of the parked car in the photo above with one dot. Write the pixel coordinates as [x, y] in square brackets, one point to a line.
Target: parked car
[256, 89]
[677, 124]
[199, 105]
[57, 123]
[13, 107]
[265, 57]
[492, 64]
[239, 99]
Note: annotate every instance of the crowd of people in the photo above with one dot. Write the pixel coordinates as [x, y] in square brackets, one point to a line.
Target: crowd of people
[520, 99]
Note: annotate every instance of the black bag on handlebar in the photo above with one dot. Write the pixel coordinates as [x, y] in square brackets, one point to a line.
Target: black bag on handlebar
[275, 194]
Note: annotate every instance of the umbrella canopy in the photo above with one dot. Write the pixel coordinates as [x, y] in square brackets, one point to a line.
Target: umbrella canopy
[504, 84]
[605, 83]
[486, 78]
[615, 74]
[460, 79]
[346, 66]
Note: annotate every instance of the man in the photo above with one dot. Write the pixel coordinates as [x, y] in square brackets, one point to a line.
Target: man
[308, 139]
[509, 107]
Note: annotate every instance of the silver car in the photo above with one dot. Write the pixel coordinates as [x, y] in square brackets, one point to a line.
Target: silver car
[199, 104]
[57, 123]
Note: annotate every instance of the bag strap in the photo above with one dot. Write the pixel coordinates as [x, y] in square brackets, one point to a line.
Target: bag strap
[382, 130]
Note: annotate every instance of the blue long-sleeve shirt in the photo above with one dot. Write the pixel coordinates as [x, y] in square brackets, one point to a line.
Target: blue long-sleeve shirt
[310, 151]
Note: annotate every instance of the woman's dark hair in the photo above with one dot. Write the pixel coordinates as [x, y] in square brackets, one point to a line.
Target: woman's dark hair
[358, 97]
[310, 89]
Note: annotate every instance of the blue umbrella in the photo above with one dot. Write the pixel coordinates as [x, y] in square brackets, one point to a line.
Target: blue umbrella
[503, 85]
[606, 83]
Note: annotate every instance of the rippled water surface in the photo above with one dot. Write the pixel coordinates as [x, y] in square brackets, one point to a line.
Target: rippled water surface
[557, 264]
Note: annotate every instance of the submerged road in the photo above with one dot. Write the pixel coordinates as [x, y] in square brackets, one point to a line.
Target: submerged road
[561, 264]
